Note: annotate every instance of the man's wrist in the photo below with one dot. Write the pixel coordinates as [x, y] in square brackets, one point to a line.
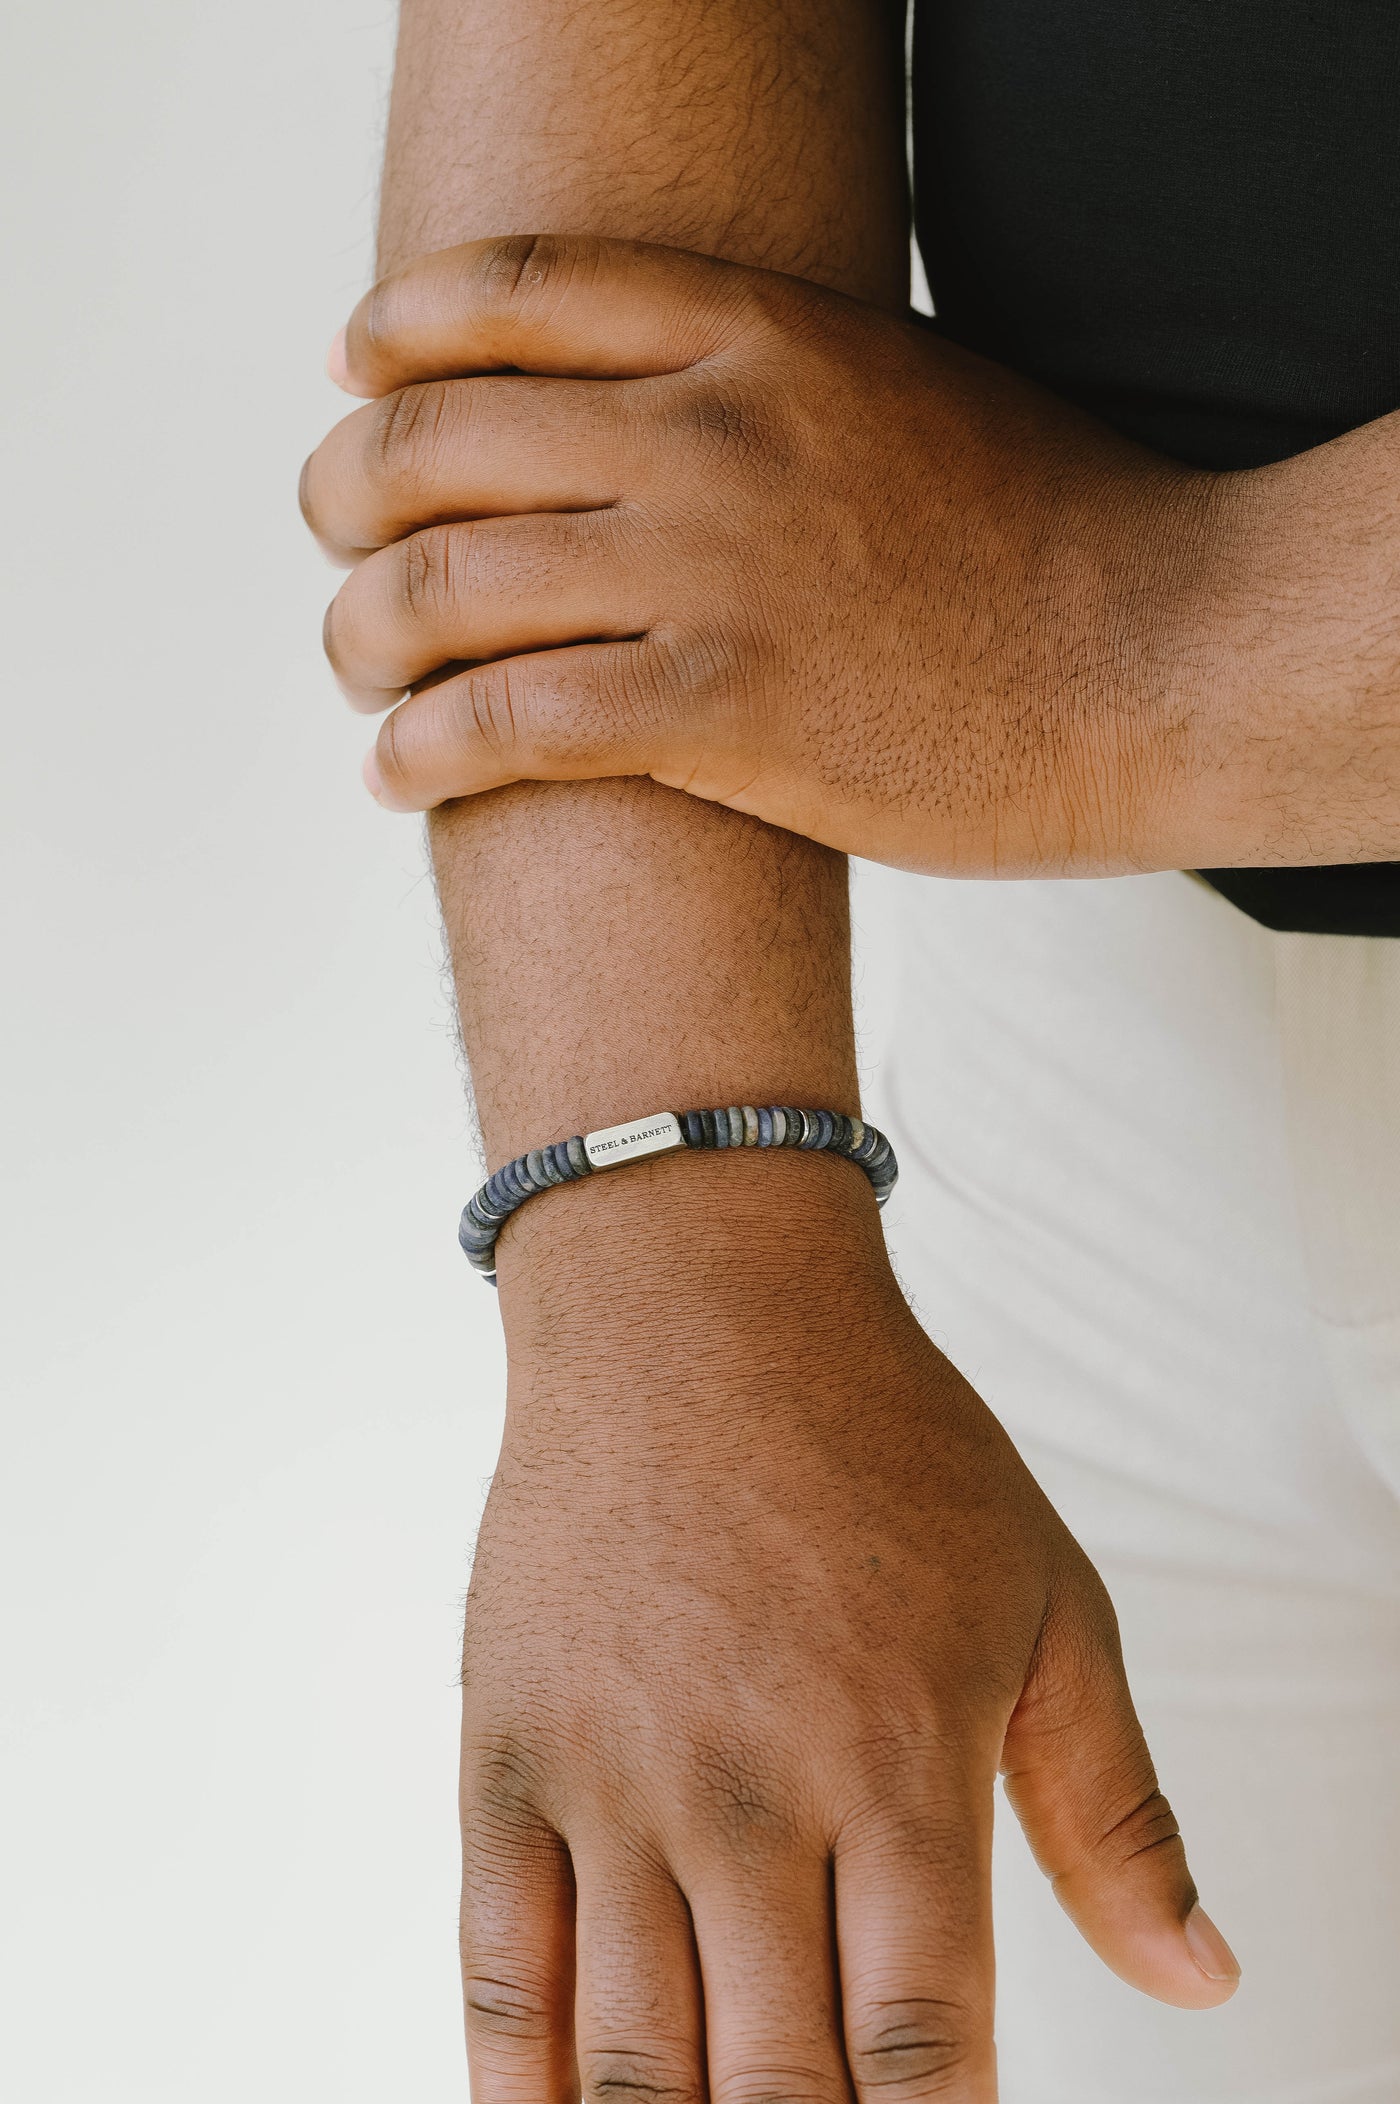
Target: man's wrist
[1280, 743]
[633, 1243]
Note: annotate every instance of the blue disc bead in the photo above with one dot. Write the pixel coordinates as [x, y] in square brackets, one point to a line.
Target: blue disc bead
[727, 1125]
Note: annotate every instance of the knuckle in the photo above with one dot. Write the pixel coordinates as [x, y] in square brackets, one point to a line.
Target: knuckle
[406, 433]
[487, 710]
[503, 1775]
[503, 2005]
[635, 2074]
[735, 1792]
[900, 1735]
[427, 574]
[720, 417]
[775, 2082]
[703, 681]
[691, 660]
[920, 2047]
[517, 267]
[1149, 1824]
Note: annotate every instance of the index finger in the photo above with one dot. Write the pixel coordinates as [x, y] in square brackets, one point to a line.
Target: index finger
[570, 305]
[914, 1933]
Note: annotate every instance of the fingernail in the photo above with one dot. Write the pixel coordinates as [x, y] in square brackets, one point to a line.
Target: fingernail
[374, 780]
[1209, 1948]
[336, 364]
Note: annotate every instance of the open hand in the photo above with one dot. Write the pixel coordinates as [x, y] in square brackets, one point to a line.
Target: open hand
[634, 511]
[762, 1599]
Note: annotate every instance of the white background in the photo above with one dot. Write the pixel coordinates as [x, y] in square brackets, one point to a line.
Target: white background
[250, 1391]
[251, 1395]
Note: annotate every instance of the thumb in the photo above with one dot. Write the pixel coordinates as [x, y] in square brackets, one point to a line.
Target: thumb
[1082, 1784]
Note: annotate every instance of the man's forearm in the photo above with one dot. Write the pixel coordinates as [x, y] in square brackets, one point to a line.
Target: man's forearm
[618, 946]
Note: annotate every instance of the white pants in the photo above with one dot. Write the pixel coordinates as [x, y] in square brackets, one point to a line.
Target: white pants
[1150, 1205]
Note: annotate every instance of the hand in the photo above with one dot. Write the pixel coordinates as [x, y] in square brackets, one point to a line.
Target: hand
[765, 544]
[762, 1598]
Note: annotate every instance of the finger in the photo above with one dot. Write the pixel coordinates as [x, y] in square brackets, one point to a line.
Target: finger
[1081, 1780]
[517, 1939]
[478, 590]
[914, 1931]
[638, 2018]
[543, 303]
[764, 1934]
[468, 449]
[557, 715]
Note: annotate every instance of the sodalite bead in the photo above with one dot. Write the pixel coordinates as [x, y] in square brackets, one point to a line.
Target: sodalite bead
[728, 1125]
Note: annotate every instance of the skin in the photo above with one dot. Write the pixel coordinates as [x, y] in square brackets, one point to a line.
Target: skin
[799, 556]
[763, 1596]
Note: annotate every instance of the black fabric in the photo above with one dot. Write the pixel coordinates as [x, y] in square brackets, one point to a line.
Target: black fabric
[1184, 215]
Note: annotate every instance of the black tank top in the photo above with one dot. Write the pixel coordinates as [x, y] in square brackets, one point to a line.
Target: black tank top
[1184, 215]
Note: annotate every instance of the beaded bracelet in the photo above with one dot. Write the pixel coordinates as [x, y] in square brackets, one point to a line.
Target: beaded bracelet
[738, 1125]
